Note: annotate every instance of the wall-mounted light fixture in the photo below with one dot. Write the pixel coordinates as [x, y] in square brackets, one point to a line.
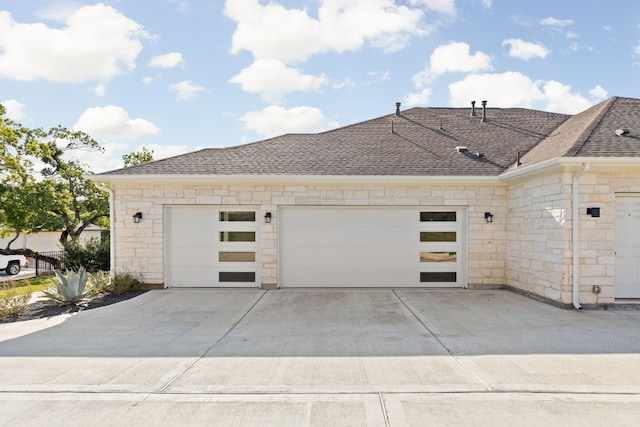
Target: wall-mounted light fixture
[137, 217]
[267, 218]
[488, 217]
[594, 212]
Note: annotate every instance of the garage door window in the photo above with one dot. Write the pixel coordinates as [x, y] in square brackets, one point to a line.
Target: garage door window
[237, 216]
[237, 276]
[438, 277]
[237, 236]
[237, 256]
[438, 257]
[438, 216]
[437, 236]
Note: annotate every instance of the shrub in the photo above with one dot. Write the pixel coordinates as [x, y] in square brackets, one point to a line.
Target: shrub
[92, 254]
[12, 302]
[123, 283]
[74, 288]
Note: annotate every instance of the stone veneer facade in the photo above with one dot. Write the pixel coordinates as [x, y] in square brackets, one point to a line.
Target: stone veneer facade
[140, 247]
[527, 247]
[539, 255]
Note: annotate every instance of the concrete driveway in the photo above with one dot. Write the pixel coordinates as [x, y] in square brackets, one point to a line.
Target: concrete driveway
[323, 357]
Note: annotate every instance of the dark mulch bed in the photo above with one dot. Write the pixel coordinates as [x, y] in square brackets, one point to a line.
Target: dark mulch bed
[39, 310]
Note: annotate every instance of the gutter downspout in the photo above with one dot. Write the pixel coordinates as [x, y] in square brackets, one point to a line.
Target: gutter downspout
[112, 232]
[576, 237]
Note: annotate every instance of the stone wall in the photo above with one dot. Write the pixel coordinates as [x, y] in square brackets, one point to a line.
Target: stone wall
[140, 247]
[539, 255]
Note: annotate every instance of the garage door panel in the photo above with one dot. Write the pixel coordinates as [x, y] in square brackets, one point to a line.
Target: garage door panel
[367, 246]
[198, 244]
[346, 256]
[348, 277]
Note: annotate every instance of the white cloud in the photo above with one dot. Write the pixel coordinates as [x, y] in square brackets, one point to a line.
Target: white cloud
[598, 93]
[417, 98]
[452, 57]
[272, 79]
[113, 124]
[96, 43]
[560, 99]
[637, 50]
[521, 49]
[442, 6]
[169, 60]
[100, 89]
[344, 83]
[554, 22]
[275, 120]
[487, 3]
[101, 161]
[147, 80]
[185, 90]
[513, 89]
[15, 109]
[291, 35]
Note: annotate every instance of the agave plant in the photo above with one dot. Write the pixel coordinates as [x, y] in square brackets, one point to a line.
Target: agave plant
[74, 287]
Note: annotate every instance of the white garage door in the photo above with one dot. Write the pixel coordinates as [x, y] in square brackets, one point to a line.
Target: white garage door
[207, 246]
[627, 246]
[371, 247]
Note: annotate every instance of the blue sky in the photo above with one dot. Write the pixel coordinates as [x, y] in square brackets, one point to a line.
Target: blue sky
[180, 75]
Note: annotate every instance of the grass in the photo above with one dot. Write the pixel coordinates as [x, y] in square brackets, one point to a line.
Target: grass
[26, 286]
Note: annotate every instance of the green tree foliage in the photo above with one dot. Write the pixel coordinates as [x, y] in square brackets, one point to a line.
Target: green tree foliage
[138, 157]
[41, 188]
[92, 254]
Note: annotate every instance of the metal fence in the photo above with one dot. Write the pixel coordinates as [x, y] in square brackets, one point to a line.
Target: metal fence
[47, 261]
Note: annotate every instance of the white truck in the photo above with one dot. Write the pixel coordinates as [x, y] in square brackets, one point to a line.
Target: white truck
[12, 264]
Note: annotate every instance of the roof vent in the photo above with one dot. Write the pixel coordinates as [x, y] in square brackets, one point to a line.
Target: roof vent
[462, 149]
[473, 108]
[398, 104]
[484, 112]
[622, 132]
[479, 155]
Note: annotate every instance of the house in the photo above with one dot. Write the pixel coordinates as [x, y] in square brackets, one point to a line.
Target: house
[47, 241]
[544, 204]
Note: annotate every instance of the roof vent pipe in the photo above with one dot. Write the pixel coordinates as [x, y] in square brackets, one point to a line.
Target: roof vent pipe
[484, 112]
[473, 108]
[398, 104]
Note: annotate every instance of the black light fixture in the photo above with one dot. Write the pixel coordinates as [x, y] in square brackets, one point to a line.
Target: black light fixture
[488, 217]
[594, 212]
[137, 217]
[267, 218]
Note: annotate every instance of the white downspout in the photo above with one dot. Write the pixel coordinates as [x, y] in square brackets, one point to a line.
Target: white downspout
[112, 232]
[575, 282]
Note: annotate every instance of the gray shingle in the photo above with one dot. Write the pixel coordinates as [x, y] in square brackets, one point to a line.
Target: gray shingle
[419, 147]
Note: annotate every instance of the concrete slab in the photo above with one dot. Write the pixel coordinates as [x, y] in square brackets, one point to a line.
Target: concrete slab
[511, 409]
[136, 345]
[206, 410]
[309, 341]
[323, 357]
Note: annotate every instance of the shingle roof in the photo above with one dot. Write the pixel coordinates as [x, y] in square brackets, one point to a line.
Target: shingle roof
[591, 133]
[422, 143]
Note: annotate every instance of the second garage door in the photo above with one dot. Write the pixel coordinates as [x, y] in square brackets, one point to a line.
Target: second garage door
[371, 247]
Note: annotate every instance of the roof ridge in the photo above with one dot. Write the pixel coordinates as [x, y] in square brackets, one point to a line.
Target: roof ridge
[591, 127]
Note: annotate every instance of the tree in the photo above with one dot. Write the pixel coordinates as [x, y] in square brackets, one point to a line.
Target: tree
[54, 196]
[138, 158]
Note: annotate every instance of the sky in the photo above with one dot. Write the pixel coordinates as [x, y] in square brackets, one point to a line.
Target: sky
[176, 76]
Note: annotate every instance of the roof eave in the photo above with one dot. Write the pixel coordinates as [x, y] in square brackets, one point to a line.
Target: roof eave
[272, 179]
[570, 161]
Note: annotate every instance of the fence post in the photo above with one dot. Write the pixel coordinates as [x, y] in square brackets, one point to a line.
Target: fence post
[37, 264]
